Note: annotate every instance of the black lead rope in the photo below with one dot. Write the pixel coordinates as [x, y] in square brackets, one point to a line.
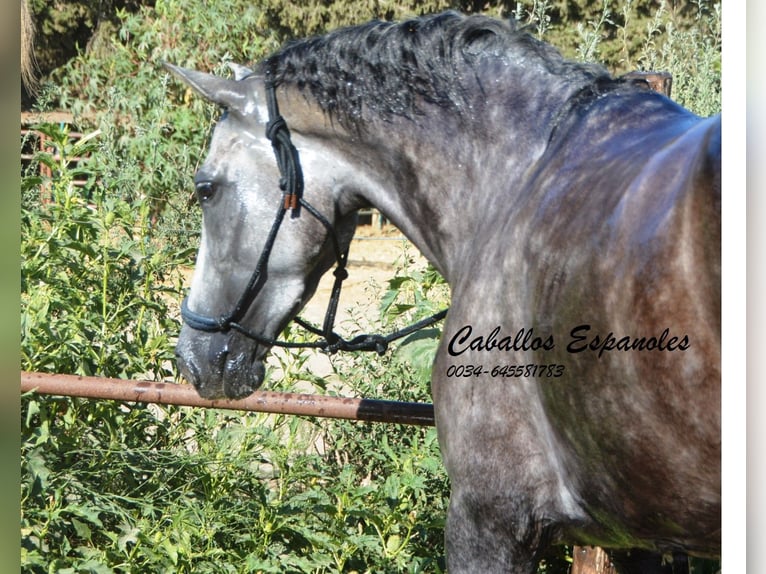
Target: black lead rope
[291, 184]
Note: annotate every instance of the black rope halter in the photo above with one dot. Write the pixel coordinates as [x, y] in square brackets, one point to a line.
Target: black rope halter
[291, 184]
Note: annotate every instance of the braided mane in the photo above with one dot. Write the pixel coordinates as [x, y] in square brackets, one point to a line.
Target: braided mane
[385, 69]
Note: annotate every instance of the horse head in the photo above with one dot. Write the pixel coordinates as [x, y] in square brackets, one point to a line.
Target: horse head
[257, 266]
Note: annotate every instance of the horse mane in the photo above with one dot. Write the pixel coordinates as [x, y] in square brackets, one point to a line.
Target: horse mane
[385, 69]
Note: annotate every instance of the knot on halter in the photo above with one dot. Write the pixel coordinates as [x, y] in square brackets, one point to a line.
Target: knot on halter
[340, 273]
[377, 343]
[381, 346]
[275, 126]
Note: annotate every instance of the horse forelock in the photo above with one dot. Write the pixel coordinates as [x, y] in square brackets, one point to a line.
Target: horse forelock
[385, 69]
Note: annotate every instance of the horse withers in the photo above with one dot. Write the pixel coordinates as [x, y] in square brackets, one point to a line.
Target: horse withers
[576, 218]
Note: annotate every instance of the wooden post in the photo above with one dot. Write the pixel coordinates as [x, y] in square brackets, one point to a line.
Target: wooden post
[591, 560]
[661, 82]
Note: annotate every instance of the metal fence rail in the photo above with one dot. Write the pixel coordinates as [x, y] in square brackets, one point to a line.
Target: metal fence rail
[371, 410]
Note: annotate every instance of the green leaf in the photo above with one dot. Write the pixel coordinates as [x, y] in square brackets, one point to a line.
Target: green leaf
[82, 529]
[37, 467]
[129, 535]
[393, 543]
[86, 512]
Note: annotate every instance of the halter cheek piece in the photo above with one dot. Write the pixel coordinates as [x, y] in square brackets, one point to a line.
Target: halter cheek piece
[291, 184]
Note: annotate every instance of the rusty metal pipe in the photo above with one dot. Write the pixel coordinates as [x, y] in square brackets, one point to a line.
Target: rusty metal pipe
[370, 410]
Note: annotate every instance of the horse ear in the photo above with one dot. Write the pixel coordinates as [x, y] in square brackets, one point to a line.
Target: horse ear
[240, 72]
[228, 93]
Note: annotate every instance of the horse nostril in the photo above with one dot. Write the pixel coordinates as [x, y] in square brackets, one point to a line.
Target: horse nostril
[218, 358]
[188, 370]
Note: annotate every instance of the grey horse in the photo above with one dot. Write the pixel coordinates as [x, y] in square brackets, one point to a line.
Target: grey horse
[576, 218]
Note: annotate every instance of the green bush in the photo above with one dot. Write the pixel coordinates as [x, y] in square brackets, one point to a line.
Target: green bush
[692, 54]
[681, 38]
[97, 289]
[157, 129]
[138, 489]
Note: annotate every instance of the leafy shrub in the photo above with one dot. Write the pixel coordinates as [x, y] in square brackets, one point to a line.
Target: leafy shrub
[681, 38]
[138, 489]
[96, 287]
[165, 489]
[691, 54]
[157, 129]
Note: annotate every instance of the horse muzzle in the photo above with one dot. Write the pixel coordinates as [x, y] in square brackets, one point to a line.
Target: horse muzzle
[221, 364]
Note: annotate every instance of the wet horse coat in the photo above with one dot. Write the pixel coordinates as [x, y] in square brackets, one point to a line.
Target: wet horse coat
[576, 219]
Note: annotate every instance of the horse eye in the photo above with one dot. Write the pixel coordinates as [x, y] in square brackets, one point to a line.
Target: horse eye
[205, 191]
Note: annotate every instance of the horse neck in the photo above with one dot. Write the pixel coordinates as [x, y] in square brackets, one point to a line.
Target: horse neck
[438, 186]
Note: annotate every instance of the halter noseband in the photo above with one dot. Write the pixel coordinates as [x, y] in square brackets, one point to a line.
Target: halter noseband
[291, 184]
